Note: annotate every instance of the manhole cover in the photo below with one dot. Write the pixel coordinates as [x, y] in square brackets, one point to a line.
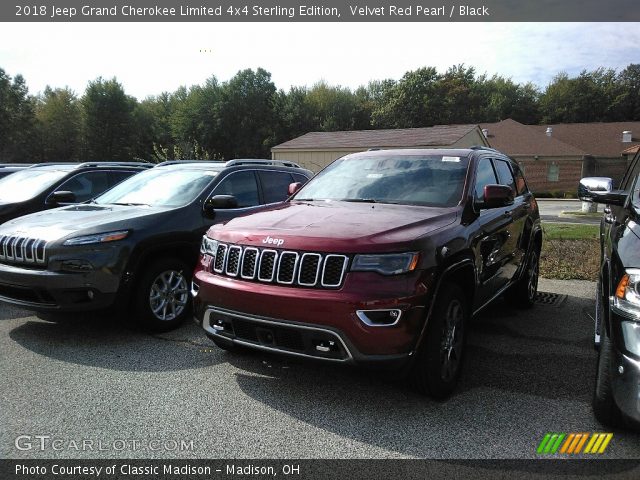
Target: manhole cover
[547, 298]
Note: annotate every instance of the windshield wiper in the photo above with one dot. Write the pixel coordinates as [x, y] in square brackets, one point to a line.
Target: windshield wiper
[131, 204]
[360, 200]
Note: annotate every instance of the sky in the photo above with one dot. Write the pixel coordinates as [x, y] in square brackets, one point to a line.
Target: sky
[150, 58]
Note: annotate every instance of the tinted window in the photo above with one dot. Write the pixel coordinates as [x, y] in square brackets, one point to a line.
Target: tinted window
[521, 185]
[241, 185]
[275, 185]
[484, 176]
[299, 178]
[119, 176]
[86, 185]
[433, 180]
[504, 174]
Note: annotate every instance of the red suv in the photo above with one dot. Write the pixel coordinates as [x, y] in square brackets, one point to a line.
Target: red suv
[380, 259]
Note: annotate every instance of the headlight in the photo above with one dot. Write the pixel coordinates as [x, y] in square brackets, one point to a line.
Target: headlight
[627, 296]
[208, 246]
[98, 238]
[388, 264]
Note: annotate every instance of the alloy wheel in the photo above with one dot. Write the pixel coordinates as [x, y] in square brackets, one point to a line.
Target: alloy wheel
[168, 295]
[452, 341]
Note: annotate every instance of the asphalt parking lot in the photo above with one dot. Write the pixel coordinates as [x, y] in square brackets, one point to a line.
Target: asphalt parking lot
[92, 379]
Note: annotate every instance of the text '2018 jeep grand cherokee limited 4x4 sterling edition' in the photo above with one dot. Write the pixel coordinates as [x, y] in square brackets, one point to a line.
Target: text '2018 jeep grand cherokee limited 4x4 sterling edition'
[381, 258]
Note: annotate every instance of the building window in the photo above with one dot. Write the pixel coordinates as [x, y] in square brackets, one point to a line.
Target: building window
[553, 173]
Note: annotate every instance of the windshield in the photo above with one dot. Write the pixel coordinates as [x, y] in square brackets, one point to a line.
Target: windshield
[27, 183]
[159, 187]
[434, 180]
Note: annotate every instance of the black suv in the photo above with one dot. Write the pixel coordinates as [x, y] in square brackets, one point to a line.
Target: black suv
[138, 241]
[616, 399]
[381, 258]
[49, 185]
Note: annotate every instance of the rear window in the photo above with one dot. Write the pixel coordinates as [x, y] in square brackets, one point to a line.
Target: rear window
[433, 180]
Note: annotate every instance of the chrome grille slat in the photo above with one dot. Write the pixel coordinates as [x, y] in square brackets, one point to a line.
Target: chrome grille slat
[268, 259]
[232, 265]
[286, 267]
[286, 271]
[16, 249]
[249, 263]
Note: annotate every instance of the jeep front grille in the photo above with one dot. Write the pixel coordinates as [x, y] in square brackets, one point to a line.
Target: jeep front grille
[15, 249]
[285, 267]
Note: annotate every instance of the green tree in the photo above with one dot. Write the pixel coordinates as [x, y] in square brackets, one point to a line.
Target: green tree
[17, 120]
[109, 121]
[58, 115]
[245, 115]
[629, 99]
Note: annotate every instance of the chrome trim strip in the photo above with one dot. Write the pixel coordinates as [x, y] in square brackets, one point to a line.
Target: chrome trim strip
[362, 315]
[2, 254]
[275, 265]
[226, 267]
[39, 259]
[206, 324]
[255, 265]
[17, 249]
[345, 261]
[295, 265]
[318, 267]
[11, 248]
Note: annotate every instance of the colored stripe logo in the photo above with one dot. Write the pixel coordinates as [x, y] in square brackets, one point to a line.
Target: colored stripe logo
[574, 443]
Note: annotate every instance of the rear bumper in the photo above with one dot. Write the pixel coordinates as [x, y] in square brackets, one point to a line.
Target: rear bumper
[47, 291]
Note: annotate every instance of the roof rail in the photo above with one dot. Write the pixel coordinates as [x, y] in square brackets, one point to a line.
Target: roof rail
[94, 164]
[115, 164]
[15, 165]
[483, 147]
[260, 161]
[179, 162]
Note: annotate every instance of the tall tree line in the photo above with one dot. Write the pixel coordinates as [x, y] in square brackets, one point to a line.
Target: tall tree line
[247, 115]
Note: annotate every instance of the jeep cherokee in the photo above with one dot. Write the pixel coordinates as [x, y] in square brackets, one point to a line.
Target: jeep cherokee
[138, 241]
[381, 258]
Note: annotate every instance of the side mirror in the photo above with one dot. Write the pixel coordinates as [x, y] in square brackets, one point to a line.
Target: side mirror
[600, 190]
[496, 196]
[60, 197]
[219, 202]
[294, 187]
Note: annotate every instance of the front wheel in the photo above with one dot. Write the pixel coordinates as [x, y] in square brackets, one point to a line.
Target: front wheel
[162, 300]
[439, 360]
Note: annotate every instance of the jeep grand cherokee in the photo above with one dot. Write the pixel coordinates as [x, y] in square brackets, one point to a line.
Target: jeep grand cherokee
[382, 257]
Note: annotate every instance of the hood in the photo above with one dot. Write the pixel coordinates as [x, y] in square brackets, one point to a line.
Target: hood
[336, 226]
[51, 225]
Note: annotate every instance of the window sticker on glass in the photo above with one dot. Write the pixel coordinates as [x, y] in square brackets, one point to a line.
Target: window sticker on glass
[375, 175]
[450, 159]
[210, 173]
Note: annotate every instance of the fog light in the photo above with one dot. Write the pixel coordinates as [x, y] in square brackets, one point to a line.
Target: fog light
[76, 266]
[325, 346]
[379, 318]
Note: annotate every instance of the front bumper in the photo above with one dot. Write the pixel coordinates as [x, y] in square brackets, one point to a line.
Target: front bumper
[626, 385]
[49, 291]
[318, 323]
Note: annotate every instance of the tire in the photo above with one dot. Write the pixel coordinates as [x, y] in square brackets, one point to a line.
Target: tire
[604, 405]
[523, 293]
[439, 360]
[162, 300]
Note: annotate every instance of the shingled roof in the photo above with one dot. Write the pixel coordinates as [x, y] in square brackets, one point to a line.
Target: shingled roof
[599, 139]
[514, 138]
[438, 135]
